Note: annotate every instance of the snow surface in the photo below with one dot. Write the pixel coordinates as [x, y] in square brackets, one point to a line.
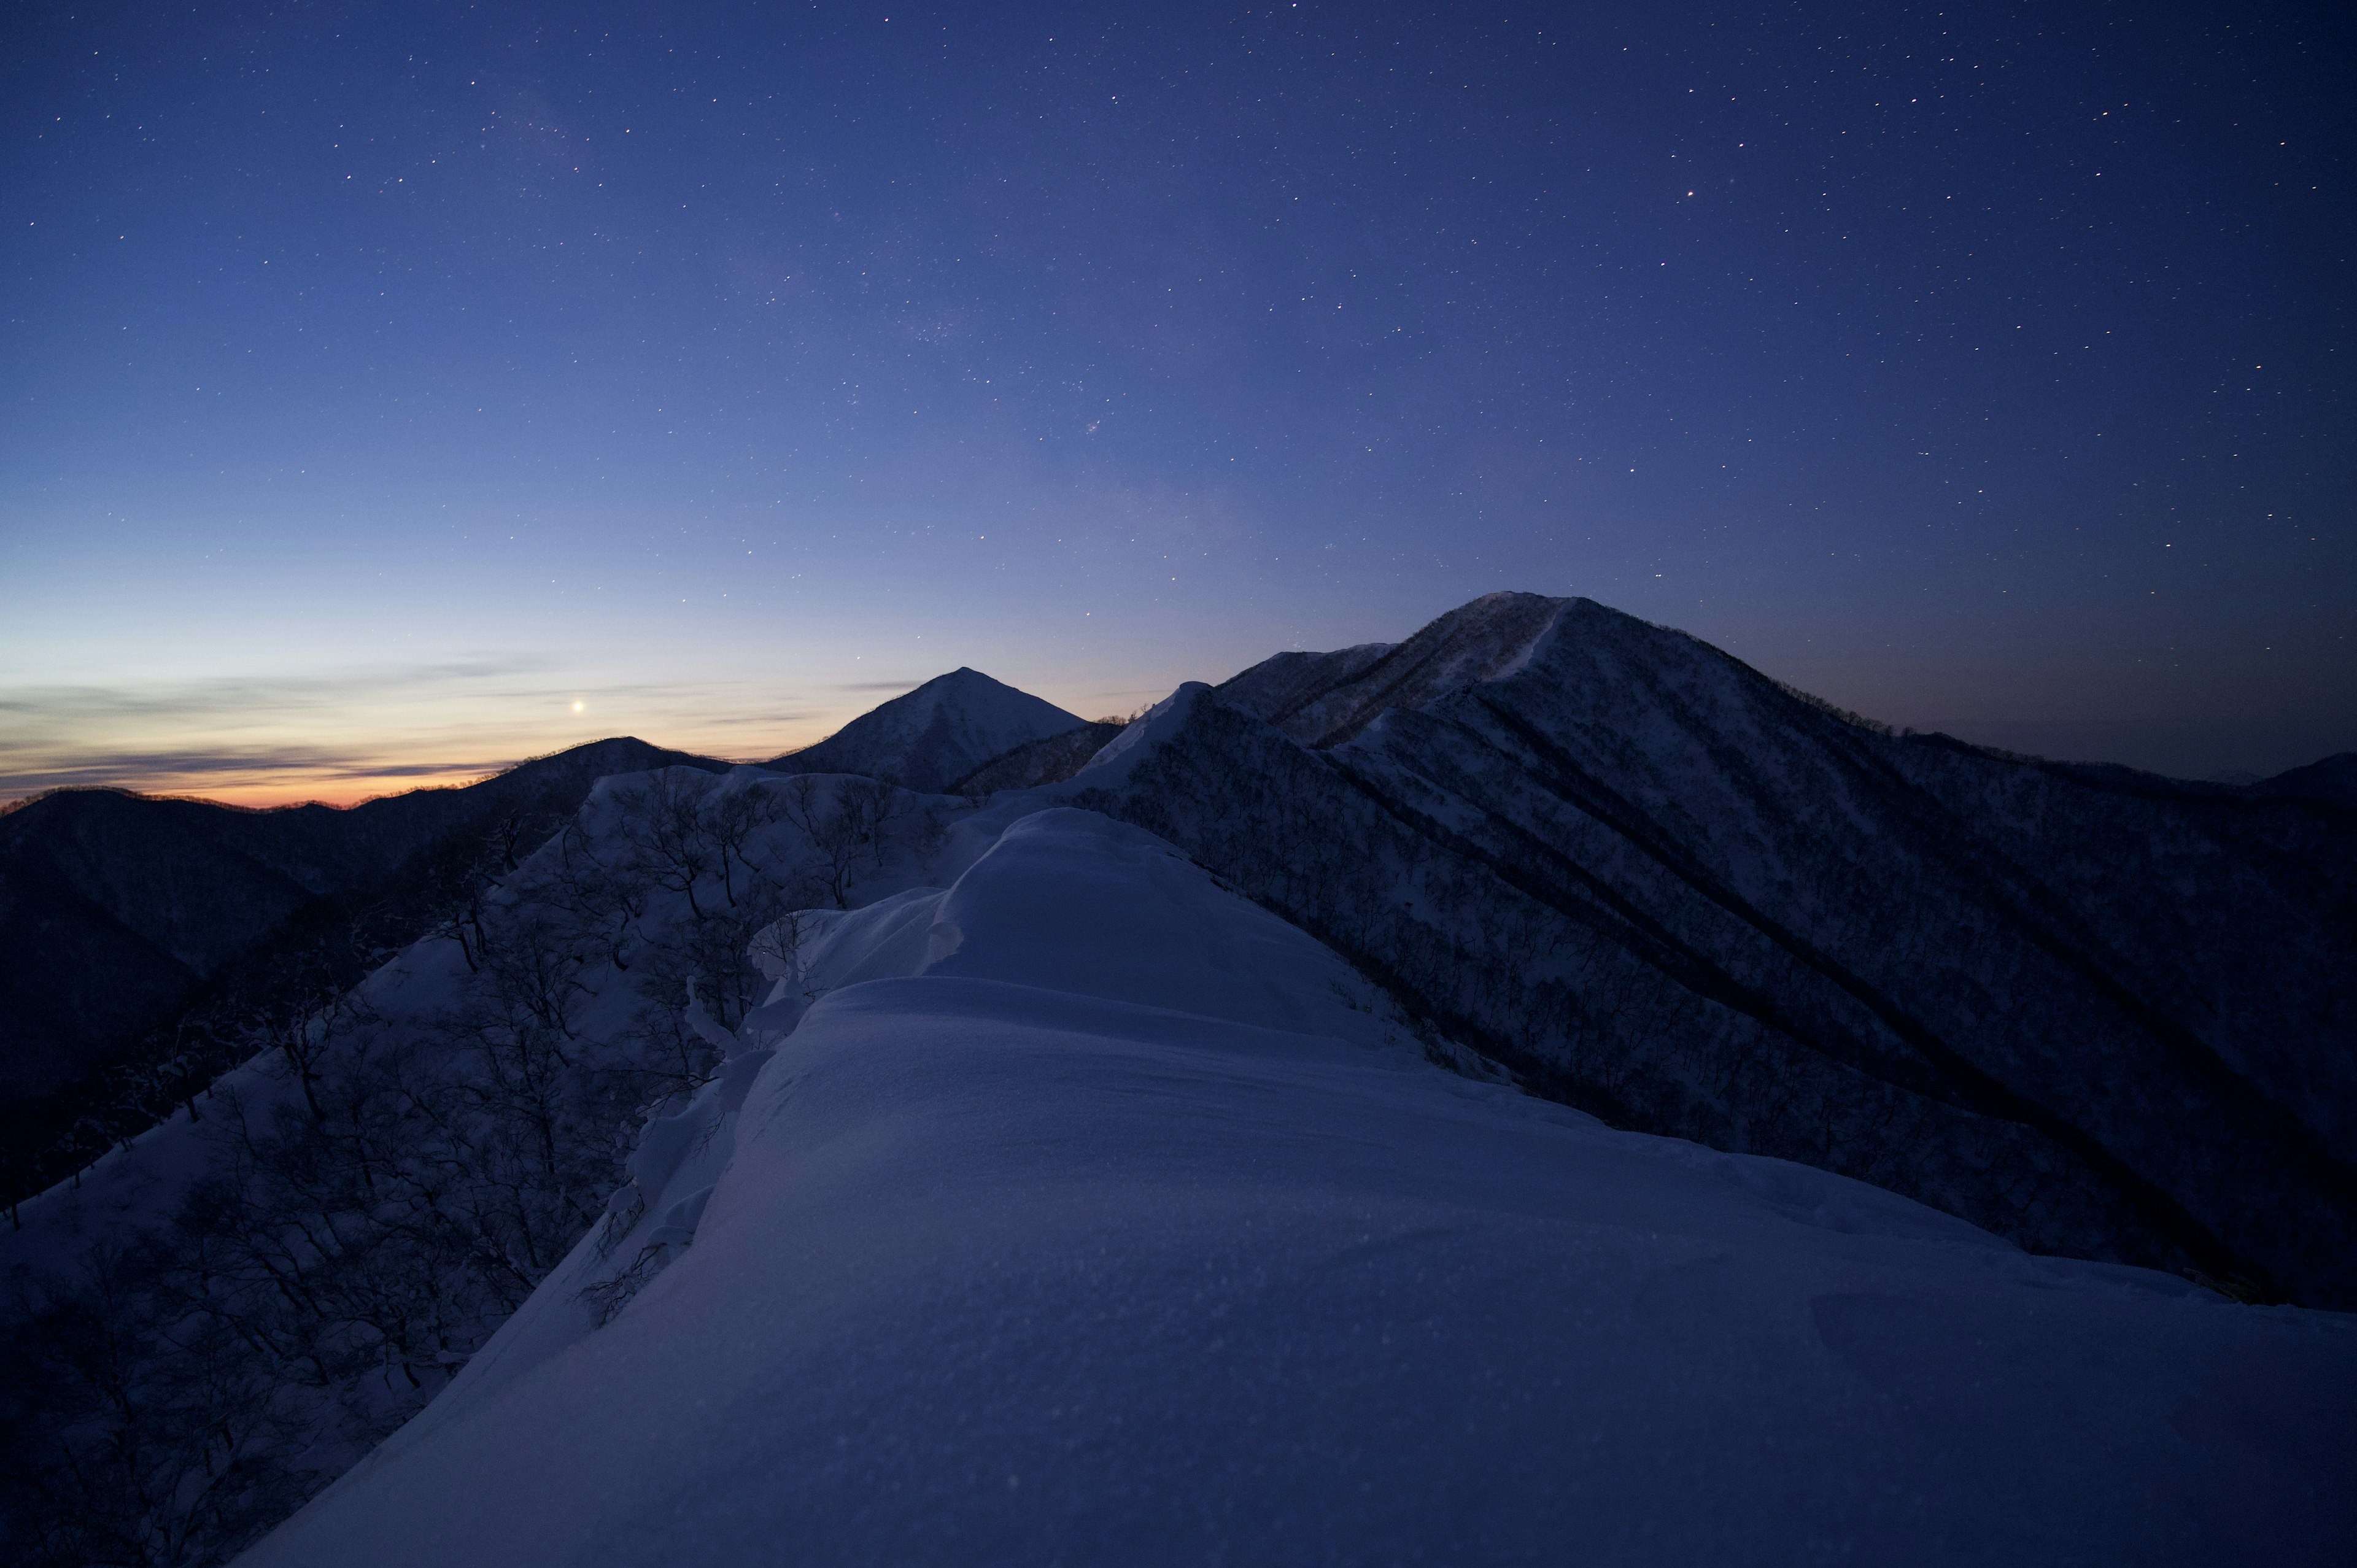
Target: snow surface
[1111, 766]
[1091, 1214]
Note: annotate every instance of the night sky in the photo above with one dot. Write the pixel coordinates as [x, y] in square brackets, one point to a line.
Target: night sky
[393, 390]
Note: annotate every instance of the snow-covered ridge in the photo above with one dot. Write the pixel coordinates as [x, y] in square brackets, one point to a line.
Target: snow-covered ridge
[2102, 1016]
[1086, 1215]
[1095, 1132]
[289, 1278]
[1283, 681]
[1323, 699]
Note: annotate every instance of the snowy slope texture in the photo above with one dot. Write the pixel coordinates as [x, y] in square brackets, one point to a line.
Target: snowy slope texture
[935, 734]
[132, 926]
[212, 1321]
[1284, 682]
[2099, 1012]
[1048, 761]
[108, 898]
[1084, 1213]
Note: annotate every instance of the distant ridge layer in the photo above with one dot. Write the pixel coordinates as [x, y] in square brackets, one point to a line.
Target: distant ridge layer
[1049, 760]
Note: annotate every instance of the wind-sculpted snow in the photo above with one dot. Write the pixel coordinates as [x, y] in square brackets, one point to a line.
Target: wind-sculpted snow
[934, 735]
[2106, 1017]
[1087, 1213]
[220, 1315]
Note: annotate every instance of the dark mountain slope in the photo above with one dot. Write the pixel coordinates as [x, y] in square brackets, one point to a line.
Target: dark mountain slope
[119, 911]
[1478, 642]
[1289, 682]
[2106, 1017]
[111, 906]
[1049, 760]
[2331, 782]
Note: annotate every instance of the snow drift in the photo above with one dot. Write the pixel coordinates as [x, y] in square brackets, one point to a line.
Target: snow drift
[1089, 1213]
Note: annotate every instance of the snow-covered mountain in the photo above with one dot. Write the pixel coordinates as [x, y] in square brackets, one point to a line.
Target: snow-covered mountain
[129, 923]
[1252, 1147]
[1089, 1214]
[218, 1316]
[2101, 1013]
[115, 905]
[934, 735]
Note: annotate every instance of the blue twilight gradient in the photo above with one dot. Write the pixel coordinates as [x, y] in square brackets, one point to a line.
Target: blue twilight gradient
[384, 379]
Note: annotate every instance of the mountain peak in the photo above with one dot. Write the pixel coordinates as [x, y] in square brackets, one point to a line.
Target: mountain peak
[937, 733]
[1324, 699]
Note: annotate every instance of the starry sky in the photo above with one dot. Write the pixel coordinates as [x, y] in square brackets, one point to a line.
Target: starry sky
[395, 391]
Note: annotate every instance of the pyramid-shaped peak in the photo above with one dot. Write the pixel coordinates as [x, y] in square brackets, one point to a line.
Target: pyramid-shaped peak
[939, 731]
[964, 679]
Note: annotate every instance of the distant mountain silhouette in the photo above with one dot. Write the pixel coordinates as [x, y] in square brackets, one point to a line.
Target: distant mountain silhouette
[116, 909]
[934, 735]
[2102, 1013]
[2332, 780]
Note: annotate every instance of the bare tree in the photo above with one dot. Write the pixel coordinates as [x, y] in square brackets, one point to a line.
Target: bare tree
[603, 901]
[298, 1015]
[667, 831]
[532, 965]
[366, 1226]
[734, 817]
[835, 834]
[871, 806]
[465, 882]
[777, 948]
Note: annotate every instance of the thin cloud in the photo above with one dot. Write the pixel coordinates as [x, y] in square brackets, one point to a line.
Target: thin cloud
[154, 769]
[342, 734]
[250, 694]
[752, 721]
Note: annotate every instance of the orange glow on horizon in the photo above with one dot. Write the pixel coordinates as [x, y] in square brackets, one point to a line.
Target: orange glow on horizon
[341, 788]
[264, 790]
